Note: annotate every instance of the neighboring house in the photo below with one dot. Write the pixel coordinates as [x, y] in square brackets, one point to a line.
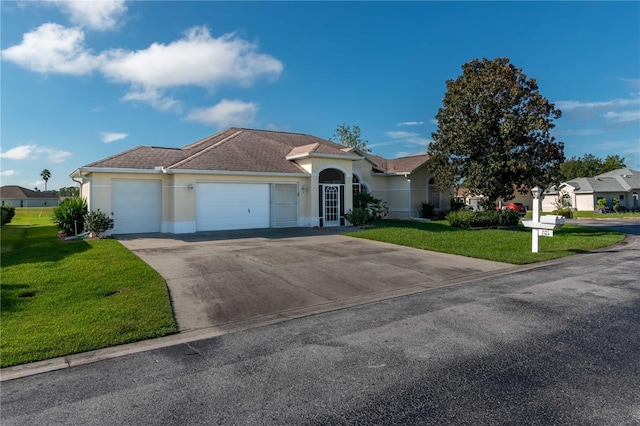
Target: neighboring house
[18, 196]
[243, 179]
[475, 202]
[583, 193]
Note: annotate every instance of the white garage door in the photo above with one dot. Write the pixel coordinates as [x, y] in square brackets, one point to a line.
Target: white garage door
[221, 206]
[285, 205]
[136, 206]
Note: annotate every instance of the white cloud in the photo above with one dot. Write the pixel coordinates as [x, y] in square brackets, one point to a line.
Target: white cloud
[36, 184]
[95, 14]
[581, 132]
[154, 98]
[18, 153]
[408, 137]
[225, 114]
[108, 137]
[7, 173]
[623, 117]
[633, 82]
[409, 154]
[569, 105]
[411, 123]
[197, 59]
[33, 152]
[52, 48]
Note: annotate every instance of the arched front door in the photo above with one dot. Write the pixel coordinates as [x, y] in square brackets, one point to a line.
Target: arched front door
[331, 197]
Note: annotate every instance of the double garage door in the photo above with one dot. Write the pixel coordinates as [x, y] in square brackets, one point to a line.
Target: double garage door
[223, 206]
[137, 206]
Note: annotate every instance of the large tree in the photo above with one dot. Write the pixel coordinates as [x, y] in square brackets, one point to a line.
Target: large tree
[589, 165]
[349, 136]
[45, 175]
[494, 132]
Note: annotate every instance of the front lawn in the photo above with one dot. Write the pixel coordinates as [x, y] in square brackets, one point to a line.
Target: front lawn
[59, 298]
[593, 215]
[502, 245]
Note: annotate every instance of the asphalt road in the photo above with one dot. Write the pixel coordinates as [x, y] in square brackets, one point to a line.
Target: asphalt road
[555, 344]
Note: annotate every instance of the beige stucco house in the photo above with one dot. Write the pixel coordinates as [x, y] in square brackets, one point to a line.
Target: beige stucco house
[244, 178]
[583, 193]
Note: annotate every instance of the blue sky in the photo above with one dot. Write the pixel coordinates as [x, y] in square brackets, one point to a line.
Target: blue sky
[82, 81]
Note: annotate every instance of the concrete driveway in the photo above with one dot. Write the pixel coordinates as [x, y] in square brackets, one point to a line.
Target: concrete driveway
[237, 279]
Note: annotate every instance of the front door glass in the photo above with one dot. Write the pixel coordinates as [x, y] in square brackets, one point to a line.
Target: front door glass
[331, 202]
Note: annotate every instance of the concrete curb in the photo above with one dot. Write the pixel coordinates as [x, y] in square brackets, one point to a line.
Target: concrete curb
[186, 336]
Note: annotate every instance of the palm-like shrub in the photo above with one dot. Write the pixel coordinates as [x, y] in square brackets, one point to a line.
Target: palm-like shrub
[69, 215]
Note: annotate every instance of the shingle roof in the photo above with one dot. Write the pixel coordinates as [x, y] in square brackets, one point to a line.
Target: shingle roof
[15, 191]
[614, 181]
[398, 165]
[246, 150]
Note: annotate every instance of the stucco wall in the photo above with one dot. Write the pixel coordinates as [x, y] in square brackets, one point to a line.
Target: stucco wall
[179, 190]
[30, 202]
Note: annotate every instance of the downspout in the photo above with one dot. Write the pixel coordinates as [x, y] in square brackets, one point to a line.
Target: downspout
[418, 219]
[90, 190]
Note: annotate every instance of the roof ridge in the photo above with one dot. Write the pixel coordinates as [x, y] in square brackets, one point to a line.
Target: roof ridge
[205, 150]
[206, 138]
[274, 131]
[117, 155]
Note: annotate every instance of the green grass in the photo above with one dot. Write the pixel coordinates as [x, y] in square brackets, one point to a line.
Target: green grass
[592, 215]
[502, 245]
[59, 298]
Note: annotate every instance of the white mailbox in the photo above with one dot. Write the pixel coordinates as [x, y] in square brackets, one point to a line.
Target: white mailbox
[541, 226]
[554, 220]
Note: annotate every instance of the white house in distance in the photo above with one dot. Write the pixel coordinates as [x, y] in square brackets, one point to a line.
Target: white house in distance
[18, 196]
[583, 193]
[244, 178]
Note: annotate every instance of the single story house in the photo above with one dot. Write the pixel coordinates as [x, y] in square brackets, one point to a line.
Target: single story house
[18, 196]
[243, 178]
[583, 193]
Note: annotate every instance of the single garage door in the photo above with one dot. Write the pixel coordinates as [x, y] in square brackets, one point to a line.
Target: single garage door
[285, 205]
[221, 206]
[136, 205]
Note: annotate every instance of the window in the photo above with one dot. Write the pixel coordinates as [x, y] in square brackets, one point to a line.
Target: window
[621, 198]
[433, 195]
[358, 187]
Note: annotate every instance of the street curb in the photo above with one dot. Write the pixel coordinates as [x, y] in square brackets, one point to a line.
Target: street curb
[187, 336]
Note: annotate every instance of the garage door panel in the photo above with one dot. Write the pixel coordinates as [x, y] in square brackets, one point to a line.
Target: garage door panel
[222, 206]
[285, 205]
[136, 206]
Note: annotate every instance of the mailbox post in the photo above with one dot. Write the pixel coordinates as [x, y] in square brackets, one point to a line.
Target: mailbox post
[541, 225]
[536, 192]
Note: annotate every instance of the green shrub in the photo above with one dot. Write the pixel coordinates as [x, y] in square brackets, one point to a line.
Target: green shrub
[482, 219]
[428, 210]
[363, 200]
[456, 204]
[376, 208]
[566, 212]
[97, 222]
[358, 216]
[7, 214]
[460, 218]
[69, 215]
